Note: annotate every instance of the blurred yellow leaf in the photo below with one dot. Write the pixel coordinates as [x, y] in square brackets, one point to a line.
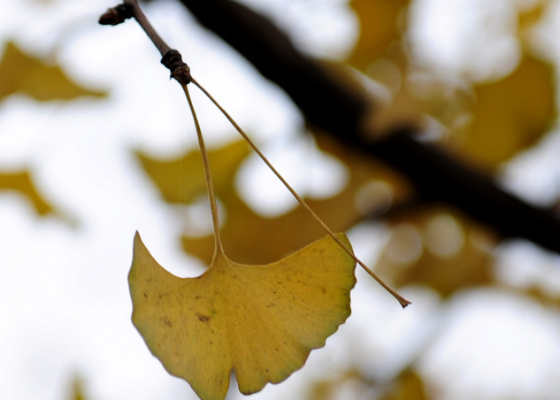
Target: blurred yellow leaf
[409, 386]
[22, 183]
[420, 96]
[512, 114]
[259, 321]
[379, 27]
[529, 17]
[78, 392]
[285, 233]
[245, 228]
[439, 249]
[37, 78]
[352, 383]
[181, 180]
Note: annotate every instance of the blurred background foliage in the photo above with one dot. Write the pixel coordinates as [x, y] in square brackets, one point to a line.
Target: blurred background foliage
[486, 118]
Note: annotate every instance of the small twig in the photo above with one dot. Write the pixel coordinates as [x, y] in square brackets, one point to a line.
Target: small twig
[147, 27]
[169, 57]
[116, 15]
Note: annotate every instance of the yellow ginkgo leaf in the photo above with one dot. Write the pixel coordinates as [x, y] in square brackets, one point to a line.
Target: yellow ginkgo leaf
[181, 180]
[78, 392]
[242, 231]
[512, 114]
[532, 15]
[22, 183]
[37, 78]
[379, 27]
[409, 386]
[259, 321]
[439, 248]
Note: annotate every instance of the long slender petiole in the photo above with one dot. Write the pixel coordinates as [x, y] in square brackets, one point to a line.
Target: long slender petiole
[208, 176]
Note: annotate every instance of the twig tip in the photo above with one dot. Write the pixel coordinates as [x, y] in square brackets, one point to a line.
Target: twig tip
[116, 15]
[404, 302]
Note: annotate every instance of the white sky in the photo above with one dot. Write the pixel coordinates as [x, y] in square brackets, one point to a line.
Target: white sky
[64, 302]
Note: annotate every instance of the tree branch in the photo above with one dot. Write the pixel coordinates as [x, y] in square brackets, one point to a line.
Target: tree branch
[147, 27]
[335, 108]
[171, 58]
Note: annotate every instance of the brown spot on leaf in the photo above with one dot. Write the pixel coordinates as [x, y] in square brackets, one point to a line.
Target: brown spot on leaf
[167, 322]
[202, 317]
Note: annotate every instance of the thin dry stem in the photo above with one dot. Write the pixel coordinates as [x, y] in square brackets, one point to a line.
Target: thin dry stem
[300, 200]
[208, 176]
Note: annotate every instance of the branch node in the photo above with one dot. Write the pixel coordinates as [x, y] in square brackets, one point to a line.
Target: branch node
[179, 70]
[116, 15]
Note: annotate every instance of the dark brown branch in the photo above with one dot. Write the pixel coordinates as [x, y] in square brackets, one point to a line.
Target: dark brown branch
[169, 57]
[147, 27]
[330, 105]
[116, 15]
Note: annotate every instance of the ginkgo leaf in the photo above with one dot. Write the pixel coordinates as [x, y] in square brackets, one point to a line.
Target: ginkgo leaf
[512, 113]
[78, 392]
[37, 78]
[351, 382]
[181, 180]
[242, 231]
[22, 183]
[531, 16]
[379, 27]
[259, 321]
[438, 248]
[409, 386]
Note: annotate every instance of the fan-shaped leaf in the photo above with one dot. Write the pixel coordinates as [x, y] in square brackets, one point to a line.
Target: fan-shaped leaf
[259, 321]
[181, 180]
[22, 183]
[37, 78]
[379, 27]
[512, 113]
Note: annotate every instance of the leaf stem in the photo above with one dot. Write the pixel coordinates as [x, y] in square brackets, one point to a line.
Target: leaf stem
[219, 249]
[300, 200]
